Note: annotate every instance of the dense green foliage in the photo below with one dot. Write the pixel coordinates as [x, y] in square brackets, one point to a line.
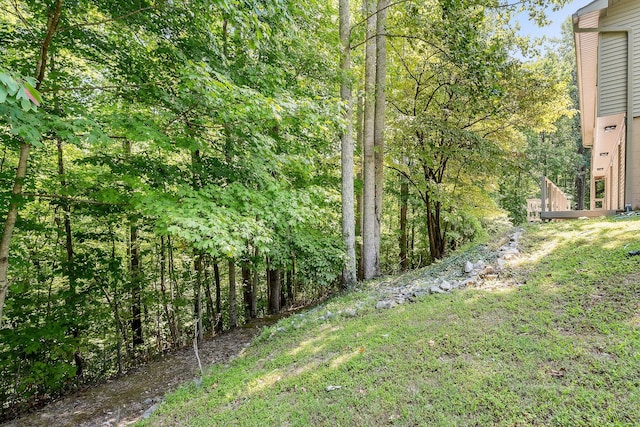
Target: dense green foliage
[560, 350]
[167, 144]
[172, 137]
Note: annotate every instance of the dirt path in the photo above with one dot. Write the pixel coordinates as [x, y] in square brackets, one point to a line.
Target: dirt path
[122, 401]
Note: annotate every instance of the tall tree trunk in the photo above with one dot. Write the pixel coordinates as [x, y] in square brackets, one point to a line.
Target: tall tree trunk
[163, 291]
[197, 302]
[246, 290]
[136, 285]
[216, 276]
[134, 273]
[23, 158]
[404, 200]
[70, 267]
[174, 291]
[436, 236]
[381, 80]
[233, 319]
[369, 173]
[211, 315]
[359, 135]
[254, 289]
[346, 139]
[274, 291]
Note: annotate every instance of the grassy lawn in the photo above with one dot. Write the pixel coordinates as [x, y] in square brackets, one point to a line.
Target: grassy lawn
[561, 349]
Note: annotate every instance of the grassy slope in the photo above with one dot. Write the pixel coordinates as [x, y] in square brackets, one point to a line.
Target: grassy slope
[563, 349]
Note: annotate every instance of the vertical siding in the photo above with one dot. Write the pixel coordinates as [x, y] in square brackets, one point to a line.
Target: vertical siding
[626, 13]
[612, 85]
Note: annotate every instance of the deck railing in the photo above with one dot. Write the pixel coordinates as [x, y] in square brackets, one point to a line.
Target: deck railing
[553, 198]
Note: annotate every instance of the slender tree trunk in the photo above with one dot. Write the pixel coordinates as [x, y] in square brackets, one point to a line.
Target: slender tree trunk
[197, 303]
[23, 158]
[246, 290]
[233, 320]
[359, 135]
[216, 277]
[163, 291]
[346, 139]
[135, 273]
[369, 173]
[136, 285]
[211, 315]
[404, 199]
[381, 79]
[254, 290]
[70, 267]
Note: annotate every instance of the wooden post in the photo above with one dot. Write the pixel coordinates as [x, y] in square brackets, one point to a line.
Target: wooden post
[543, 195]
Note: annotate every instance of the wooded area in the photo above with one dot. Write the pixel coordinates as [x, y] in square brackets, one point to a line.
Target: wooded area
[173, 169]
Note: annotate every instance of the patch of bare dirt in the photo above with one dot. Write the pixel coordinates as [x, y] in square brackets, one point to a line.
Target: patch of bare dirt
[124, 400]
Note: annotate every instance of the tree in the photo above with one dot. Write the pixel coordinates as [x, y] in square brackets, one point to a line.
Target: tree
[346, 139]
[369, 254]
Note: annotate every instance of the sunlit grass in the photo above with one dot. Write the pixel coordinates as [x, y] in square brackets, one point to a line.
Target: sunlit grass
[562, 349]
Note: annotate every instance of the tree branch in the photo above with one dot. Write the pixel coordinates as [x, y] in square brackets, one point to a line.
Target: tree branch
[116, 18]
[70, 199]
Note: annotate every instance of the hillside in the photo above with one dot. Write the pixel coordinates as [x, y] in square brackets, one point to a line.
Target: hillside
[553, 340]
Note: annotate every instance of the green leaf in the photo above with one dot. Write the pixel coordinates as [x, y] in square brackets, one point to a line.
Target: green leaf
[10, 83]
[25, 103]
[3, 94]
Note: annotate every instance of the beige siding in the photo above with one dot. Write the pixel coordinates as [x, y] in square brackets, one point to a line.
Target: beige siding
[612, 85]
[626, 14]
[635, 173]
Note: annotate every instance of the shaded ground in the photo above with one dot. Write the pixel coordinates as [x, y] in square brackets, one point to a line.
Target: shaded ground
[124, 400]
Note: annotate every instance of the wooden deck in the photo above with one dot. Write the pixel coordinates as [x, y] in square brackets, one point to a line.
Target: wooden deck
[576, 214]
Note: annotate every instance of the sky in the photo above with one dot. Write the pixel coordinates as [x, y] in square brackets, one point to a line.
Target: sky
[557, 18]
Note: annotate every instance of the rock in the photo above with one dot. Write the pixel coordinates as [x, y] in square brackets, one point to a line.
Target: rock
[149, 411]
[468, 267]
[148, 401]
[384, 305]
[488, 271]
[333, 387]
[445, 286]
[435, 290]
[281, 329]
[478, 265]
[349, 312]
[501, 263]
[470, 282]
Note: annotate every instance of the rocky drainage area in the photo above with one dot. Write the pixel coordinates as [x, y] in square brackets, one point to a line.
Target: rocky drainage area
[485, 269]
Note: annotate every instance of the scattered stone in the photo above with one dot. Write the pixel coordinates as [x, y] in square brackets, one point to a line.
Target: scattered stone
[468, 267]
[445, 286]
[501, 263]
[384, 305]
[435, 290]
[149, 411]
[488, 271]
[349, 312]
[333, 387]
[478, 265]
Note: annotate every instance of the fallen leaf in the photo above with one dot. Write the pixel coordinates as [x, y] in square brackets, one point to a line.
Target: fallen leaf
[361, 350]
[432, 343]
[559, 373]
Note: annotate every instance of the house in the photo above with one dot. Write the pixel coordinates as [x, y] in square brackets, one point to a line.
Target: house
[607, 37]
